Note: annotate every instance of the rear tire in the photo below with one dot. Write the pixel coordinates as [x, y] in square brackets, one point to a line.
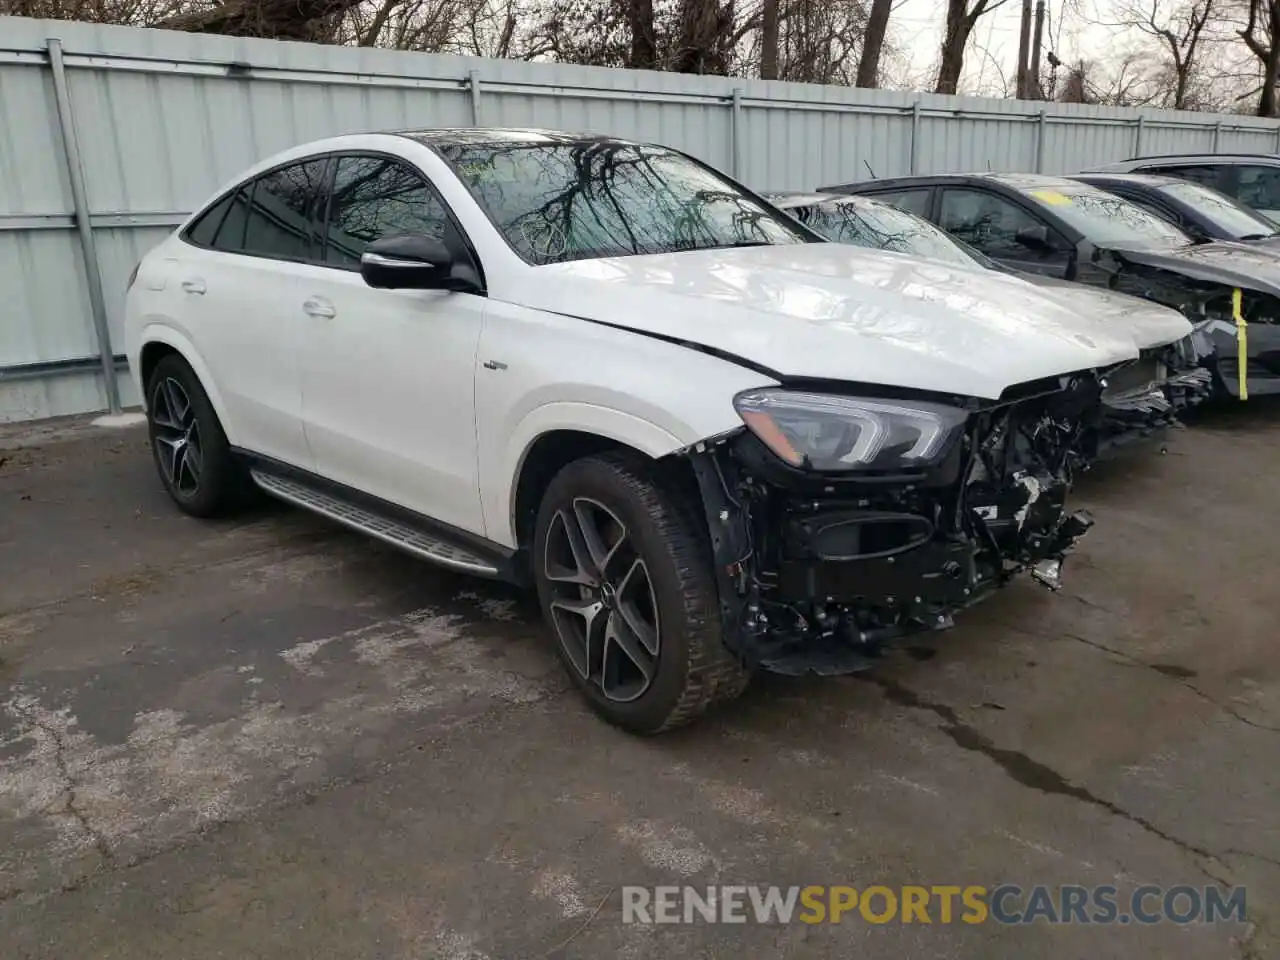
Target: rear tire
[626, 582]
[190, 449]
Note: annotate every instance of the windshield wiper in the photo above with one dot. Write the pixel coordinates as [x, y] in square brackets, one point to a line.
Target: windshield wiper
[1261, 236]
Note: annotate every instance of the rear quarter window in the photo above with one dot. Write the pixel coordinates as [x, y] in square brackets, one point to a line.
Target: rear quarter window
[205, 227]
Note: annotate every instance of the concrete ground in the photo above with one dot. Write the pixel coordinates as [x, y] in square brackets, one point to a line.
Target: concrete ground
[270, 738]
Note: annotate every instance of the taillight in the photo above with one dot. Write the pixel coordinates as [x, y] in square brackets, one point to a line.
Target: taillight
[133, 275]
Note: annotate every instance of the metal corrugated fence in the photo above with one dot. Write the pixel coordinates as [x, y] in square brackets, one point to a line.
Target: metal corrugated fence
[161, 119]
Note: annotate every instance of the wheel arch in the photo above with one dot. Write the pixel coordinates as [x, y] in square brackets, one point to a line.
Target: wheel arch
[159, 341]
[542, 454]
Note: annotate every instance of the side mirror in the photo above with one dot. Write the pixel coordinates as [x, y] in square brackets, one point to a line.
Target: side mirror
[1036, 238]
[406, 263]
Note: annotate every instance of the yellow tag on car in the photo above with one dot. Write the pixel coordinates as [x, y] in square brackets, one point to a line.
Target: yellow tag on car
[1052, 197]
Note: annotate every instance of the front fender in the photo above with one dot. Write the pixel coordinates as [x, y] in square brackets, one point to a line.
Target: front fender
[606, 422]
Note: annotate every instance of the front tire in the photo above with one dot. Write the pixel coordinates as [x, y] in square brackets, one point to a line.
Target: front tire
[191, 452]
[625, 580]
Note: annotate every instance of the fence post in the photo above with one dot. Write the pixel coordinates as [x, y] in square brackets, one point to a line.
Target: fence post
[80, 200]
[1217, 135]
[473, 83]
[915, 135]
[1041, 125]
[1137, 136]
[1278, 139]
[735, 132]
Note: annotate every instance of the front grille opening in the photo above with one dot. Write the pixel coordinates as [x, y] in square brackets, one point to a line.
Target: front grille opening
[865, 538]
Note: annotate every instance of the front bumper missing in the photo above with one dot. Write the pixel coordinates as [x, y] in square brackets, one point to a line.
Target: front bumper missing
[1143, 401]
[818, 576]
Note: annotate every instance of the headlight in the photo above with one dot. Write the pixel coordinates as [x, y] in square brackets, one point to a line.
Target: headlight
[825, 432]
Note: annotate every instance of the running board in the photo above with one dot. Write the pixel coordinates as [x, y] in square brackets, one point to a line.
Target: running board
[408, 538]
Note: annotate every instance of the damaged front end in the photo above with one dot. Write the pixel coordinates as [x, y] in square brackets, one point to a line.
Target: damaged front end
[841, 523]
[1235, 343]
[1143, 399]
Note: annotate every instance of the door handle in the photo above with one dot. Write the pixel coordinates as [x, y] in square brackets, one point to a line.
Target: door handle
[319, 307]
[193, 286]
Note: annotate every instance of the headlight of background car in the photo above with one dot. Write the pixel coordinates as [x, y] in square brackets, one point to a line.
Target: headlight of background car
[826, 432]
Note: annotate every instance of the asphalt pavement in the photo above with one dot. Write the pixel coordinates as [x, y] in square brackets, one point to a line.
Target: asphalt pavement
[267, 737]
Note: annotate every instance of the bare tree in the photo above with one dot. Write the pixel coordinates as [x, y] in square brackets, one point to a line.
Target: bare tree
[1179, 32]
[1125, 84]
[873, 43]
[644, 42]
[137, 13]
[962, 17]
[769, 40]
[315, 20]
[705, 28]
[1262, 35]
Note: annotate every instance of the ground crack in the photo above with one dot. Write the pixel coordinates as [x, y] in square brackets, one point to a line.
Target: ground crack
[1181, 681]
[1130, 659]
[69, 806]
[260, 814]
[1021, 768]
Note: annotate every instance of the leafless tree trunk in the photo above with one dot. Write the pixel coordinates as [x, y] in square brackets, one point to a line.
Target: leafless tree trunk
[1262, 34]
[961, 19]
[644, 46]
[705, 27]
[873, 43]
[769, 40]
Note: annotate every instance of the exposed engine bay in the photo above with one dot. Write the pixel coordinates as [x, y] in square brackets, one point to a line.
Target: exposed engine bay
[817, 571]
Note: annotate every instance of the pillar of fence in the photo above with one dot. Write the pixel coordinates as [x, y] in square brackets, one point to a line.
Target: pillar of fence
[473, 85]
[735, 132]
[1042, 123]
[915, 136]
[84, 226]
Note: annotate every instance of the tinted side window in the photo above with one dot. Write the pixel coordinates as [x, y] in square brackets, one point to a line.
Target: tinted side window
[206, 227]
[913, 201]
[282, 215]
[376, 197]
[993, 224]
[1204, 175]
[231, 232]
[1259, 187]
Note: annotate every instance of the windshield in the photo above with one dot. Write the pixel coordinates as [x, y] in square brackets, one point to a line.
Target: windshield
[571, 201]
[1106, 219]
[883, 227]
[1232, 219]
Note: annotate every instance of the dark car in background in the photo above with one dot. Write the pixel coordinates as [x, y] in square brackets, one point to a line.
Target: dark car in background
[1078, 232]
[1140, 399]
[1251, 178]
[1202, 212]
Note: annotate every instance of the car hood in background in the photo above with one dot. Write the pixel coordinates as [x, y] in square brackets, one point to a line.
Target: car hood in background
[831, 311]
[1247, 265]
[1150, 324]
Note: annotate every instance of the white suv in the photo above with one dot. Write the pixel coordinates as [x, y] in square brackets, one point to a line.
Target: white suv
[714, 442]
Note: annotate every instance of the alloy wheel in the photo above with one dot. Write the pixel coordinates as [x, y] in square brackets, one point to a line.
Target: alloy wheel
[602, 600]
[176, 436]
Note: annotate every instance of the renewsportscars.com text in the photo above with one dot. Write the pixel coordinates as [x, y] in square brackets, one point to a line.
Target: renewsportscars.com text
[941, 904]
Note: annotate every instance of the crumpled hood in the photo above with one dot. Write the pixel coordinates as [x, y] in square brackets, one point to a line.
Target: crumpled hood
[1150, 324]
[1246, 265]
[832, 311]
